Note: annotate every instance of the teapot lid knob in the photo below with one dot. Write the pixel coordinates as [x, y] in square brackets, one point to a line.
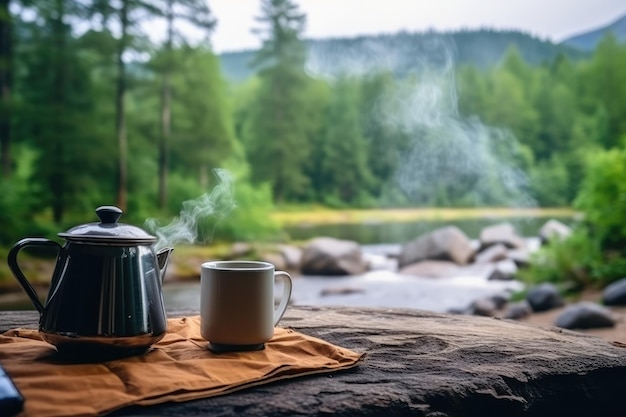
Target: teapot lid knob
[109, 214]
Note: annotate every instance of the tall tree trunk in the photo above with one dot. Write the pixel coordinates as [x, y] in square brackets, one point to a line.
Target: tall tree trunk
[120, 118]
[59, 116]
[166, 112]
[6, 66]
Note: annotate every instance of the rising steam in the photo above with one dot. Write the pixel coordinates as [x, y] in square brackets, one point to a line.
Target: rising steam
[218, 204]
[447, 154]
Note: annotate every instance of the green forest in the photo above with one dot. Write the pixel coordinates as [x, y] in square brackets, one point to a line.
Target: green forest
[95, 111]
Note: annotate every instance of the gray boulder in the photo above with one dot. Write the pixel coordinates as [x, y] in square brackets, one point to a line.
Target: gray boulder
[485, 307]
[292, 256]
[446, 243]
[615, 294]
[340, 291]
[544, 297]
[448, 269]
[504, 271]
[554, 229]
[330, 256]
[500, 299]
[584, 315]
[518, 310]
[431, 269]
[276, 259]
[503, 233]
[493, 253]
[521, 257]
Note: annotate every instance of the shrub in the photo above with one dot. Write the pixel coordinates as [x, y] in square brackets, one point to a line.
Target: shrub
[231, 210]
[250, 218]
[602, 199]
[566, 261]
[595, 254]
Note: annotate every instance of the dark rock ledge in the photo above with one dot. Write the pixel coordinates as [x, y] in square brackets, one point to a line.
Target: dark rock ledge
[426, 364]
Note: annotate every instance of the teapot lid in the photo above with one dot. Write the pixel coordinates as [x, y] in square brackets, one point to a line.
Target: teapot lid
[108, 231]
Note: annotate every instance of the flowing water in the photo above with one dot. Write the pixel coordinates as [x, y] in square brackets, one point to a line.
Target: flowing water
[383, 287]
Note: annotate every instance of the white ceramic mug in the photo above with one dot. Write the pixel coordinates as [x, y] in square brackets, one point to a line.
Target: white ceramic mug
[237, 303]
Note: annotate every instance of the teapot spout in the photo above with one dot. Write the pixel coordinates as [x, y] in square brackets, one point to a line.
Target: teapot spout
[162, 257]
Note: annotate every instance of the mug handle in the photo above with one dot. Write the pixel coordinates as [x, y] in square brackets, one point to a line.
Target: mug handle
[284, 300]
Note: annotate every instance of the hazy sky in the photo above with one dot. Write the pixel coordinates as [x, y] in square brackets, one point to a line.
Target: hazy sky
[553, 19]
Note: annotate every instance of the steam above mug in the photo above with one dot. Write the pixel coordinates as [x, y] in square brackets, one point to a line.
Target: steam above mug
[237, 303]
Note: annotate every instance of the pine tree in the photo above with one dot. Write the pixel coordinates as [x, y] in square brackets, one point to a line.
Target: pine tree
[56, 89]
[198, 14]
[126, 15]
[345, 168]
[6, 85]
[276, 133]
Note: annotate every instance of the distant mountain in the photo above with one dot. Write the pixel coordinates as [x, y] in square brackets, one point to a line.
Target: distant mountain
[403, 51]
[589, 40]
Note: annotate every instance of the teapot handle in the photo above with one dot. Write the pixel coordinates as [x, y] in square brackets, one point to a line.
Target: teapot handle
[19, 275]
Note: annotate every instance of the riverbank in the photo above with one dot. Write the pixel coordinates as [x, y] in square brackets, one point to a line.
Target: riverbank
[319, 215]
[383, 227]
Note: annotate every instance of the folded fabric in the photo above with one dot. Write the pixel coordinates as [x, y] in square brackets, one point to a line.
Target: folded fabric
[177, 368]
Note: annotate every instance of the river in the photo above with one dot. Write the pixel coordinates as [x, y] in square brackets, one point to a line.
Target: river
[382, 287]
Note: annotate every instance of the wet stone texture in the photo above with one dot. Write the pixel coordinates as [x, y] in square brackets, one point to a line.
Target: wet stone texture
[426, 364]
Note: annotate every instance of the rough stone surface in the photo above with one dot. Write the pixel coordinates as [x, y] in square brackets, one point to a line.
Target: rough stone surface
[330, 256]
[585, 315]
[426, 364]
[615, 294]
[446, 243]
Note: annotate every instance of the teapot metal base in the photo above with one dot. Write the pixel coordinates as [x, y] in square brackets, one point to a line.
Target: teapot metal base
[73, 347]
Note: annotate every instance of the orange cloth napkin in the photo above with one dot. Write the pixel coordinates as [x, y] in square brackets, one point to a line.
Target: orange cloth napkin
[177, 368]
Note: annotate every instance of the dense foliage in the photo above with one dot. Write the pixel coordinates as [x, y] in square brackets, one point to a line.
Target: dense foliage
[595, 254]
[94, 112]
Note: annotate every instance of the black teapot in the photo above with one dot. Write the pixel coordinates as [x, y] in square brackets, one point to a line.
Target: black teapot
[105, 295]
